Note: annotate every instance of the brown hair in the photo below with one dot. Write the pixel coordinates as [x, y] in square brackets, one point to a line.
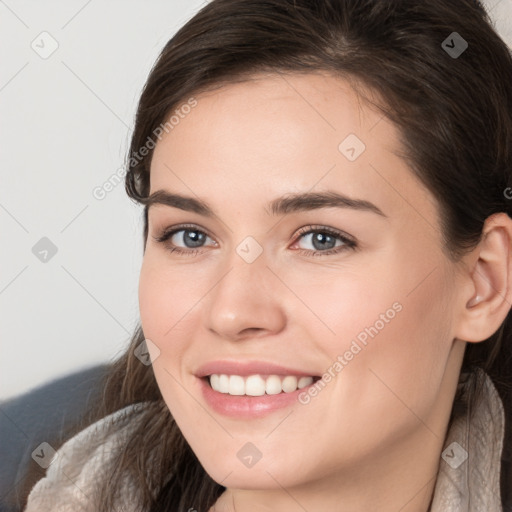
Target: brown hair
[455, 120]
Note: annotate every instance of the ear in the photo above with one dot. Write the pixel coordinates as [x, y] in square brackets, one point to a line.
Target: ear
[487, 291]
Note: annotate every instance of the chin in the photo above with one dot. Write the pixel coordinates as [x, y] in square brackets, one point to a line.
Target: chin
[231, 472]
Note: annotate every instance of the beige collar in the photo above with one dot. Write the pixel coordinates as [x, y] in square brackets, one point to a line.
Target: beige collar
[469, 472]
[463, 484]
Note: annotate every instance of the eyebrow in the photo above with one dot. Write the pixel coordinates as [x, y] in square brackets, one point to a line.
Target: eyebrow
[280, 206]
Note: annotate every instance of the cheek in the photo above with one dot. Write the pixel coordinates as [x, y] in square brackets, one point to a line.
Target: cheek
[167, 319]
[166, 301]
[169, 303]
[390, 332]
[401, 353]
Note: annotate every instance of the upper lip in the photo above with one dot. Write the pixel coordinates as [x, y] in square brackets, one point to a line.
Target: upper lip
[246, 368]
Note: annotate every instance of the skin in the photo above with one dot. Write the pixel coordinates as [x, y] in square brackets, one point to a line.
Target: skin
[372, 438]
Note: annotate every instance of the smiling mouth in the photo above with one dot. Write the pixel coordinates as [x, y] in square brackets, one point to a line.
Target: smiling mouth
[258, 385]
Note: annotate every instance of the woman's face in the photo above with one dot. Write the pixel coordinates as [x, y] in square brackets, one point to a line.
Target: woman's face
[356, 289]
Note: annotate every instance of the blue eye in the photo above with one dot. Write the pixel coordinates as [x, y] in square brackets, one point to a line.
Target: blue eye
[321, 238]
[193, 241]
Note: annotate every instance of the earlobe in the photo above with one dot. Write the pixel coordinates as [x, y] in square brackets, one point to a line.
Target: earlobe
[490, 282]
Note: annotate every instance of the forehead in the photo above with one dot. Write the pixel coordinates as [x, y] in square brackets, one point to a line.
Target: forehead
[275, 134]
[298, 107]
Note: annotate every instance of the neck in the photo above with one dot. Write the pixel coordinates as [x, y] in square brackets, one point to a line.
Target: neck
[402, 481]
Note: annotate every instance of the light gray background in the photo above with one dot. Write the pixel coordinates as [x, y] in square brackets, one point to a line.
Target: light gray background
[65, 126]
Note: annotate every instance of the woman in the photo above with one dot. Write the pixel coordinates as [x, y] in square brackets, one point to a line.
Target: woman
[326, 282]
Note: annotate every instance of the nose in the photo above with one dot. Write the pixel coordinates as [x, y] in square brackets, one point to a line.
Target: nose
[246, 302]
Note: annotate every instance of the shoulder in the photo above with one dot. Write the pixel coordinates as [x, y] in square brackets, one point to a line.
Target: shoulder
[81, 462]
[470, 470]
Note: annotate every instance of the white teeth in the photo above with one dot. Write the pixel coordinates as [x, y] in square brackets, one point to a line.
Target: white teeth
[273, 385]
[223, 384]
[289, 384]
[256, 385]
[214, 379]
[304, 381]
[236, 385]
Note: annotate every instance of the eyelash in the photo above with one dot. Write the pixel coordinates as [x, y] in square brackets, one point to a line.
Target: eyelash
[348, 242]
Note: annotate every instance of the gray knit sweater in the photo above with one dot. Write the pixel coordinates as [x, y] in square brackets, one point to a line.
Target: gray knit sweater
[468, 478]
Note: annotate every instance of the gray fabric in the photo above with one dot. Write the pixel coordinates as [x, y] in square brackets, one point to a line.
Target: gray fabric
[469, 474]
[470, 485]
[39, 415]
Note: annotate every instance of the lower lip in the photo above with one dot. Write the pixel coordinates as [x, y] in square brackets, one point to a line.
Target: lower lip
[247, 406]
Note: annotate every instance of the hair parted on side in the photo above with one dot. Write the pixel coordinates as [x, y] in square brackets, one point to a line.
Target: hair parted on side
[454, 117]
